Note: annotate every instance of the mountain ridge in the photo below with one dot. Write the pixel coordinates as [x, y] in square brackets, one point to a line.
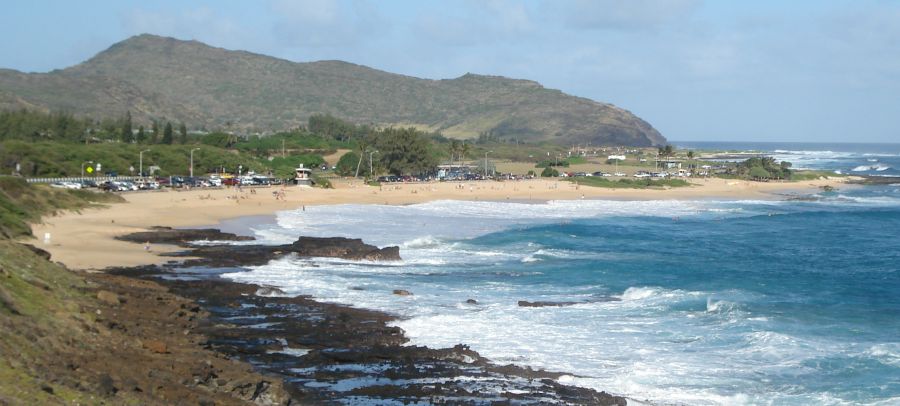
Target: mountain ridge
[205, 86]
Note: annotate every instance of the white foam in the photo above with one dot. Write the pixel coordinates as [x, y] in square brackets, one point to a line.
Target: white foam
[639, 293]
[654, 343]
[866, 168]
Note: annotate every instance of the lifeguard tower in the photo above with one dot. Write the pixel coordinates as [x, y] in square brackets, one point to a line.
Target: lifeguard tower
[303, 176]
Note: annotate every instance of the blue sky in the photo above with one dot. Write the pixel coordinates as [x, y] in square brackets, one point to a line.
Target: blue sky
[697, 70]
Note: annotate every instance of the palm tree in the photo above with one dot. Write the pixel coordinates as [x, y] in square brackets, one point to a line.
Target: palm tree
[464, 150]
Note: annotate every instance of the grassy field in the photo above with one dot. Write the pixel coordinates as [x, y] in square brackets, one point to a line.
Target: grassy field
[628, 183]
[589, 165]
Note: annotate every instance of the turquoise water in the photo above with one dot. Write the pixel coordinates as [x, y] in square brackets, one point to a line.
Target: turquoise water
[702, 302]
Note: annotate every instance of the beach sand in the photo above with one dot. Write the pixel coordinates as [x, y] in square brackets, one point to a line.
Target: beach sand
[86, 239]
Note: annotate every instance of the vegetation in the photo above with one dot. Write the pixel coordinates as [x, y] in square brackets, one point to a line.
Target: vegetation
[812, 175]
[205, 87]
[549, 172]
[346, 166]
[628, 183]
[403, 151]
[37, 126]
[51, 159]
[763, 168]
[21, 203]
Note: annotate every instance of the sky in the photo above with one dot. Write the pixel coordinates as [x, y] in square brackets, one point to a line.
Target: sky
[762, 70]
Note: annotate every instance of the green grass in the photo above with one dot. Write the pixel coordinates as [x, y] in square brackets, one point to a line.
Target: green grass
[40, 311]
[22, 203]
[813, 175]
[628, 183]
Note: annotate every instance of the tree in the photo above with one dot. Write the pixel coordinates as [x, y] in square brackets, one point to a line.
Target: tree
[346, 166]
[219, 139]
[127, 134]
[454, 149]
[404, 151]
[141, 135]
[758, 172]
[549, 172]
[182, 131]
[690, 154]
[464, 150]
[168, 134]
[154, 132]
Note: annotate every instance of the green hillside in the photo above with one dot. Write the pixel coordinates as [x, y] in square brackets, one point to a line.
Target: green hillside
[206, 87]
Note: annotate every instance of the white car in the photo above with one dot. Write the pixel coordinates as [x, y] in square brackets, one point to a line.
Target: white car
[619, 174]
[66, 185]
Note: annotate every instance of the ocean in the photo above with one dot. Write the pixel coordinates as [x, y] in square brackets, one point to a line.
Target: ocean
[849, 158]
[698, 302]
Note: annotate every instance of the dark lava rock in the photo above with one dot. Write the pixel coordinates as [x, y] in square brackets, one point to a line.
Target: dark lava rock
[269, 291]
[249, 255]
[182, 237]
[106, 386]
[525, 303]
[878, 180]
[41, 253]
[346, 248]
[472, 301]
[401, 292]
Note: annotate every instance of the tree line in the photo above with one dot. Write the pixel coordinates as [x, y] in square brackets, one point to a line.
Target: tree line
[34, 125]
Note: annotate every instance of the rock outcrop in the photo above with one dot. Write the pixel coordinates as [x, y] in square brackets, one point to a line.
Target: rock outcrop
[345, 248]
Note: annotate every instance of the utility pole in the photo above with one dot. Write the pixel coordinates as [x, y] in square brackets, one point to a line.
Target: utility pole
[141, 165]
[371, 172]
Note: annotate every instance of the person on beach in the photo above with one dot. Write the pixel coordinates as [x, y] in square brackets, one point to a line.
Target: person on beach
[147, 246]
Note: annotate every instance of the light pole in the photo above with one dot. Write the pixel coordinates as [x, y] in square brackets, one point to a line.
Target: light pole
[371, 173]
[192, 162]
[82, 166]
[485, 162]
[141, 163]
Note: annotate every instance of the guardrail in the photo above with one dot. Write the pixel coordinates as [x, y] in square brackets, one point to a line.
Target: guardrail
[97, 179]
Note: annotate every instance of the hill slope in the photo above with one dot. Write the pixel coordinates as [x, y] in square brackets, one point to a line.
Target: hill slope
[189, 81]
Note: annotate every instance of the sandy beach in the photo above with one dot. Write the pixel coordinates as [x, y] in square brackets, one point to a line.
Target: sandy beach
[86, 240]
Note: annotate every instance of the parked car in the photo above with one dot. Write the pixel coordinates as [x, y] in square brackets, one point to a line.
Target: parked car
[66, 185]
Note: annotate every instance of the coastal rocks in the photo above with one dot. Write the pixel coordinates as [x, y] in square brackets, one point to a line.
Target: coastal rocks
[156, 346]
[109, 298]
[471, 301]
[182, 237]
[345, 248]
[269, 291]
[525, 303]
[41, 253]
[247, 255]
[401, 292]
[318, 348]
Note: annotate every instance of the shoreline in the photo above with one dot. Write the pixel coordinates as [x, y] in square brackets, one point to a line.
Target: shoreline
[86, 240]
[326, 352]
[95, 230]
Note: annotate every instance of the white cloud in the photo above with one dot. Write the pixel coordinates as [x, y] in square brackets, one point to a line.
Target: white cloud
[326, 23]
